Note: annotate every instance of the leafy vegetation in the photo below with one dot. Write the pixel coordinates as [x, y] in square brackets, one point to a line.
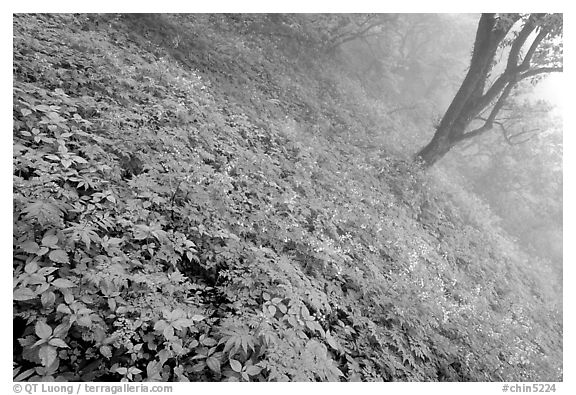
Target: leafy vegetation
[214, 198]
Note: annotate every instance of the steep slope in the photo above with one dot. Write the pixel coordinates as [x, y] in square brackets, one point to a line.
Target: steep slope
[213, 198]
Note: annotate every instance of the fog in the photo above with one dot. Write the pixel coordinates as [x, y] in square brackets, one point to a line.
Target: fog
[419, 62]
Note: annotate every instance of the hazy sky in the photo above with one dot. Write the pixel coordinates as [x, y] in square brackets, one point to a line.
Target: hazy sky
[551, 89]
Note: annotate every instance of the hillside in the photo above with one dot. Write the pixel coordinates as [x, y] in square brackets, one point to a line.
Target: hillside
[215, 198]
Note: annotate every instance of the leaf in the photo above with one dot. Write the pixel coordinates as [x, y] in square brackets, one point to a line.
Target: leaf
[44, 212]
[58, 343]
[30, 247]
[168, 332]
[208, 341]
[61, 330]
[54, 116]
[160, 325]
[310, 325]
[39, 342]
[272, 310]
[47, 270]
[47, 354]
[106, 351]
[53, 157]
[58, 256]
[48, 299]
[42, 107]
[24, 375]
[63, 283]
[81, 309]
[62, 308]
[79, 159]
[31, 267]
[305, 313]
[253, 370]
[331, 341]
[179, 372]
[182, 323]
[141, 232]
[84, 320]
[199, 367]
[292, 321]
[50, 241]
[23, 294]
[43, 330]
[213, 364]
[232, 345]
[153, 370]
[68, 297]
[245, 344]
[83, 232]
[191, 256]
[121, 371]
[42, 288]
[235, 365]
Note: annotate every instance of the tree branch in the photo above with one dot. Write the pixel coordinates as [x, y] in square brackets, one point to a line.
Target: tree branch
[476, 132]
[527, 29]
[495, 89]
[512, 68]
[489, 122]
[501, 100]
[523, 132]
[341, 38]
[485, 45]
[540, 70]
[525, 65]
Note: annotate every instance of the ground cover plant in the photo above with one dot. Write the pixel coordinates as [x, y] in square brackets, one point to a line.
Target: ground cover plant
[214, 198]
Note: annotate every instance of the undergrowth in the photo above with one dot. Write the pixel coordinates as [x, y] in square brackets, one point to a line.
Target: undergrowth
[194, 200]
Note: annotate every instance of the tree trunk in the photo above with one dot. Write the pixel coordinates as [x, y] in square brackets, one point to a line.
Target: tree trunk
[466, 104]
[435, 149]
